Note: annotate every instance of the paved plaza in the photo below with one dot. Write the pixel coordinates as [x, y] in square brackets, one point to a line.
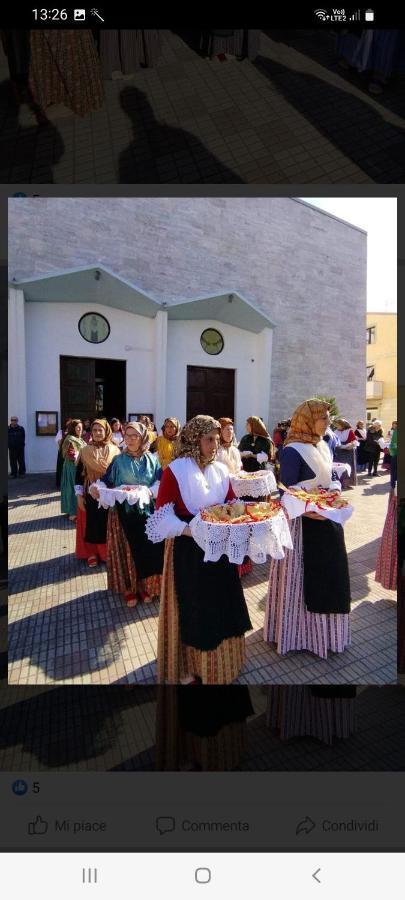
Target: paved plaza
[292, 116]
[105, 729]
[65, 627]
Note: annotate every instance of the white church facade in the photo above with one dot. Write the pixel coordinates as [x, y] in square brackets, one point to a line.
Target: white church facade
[227, 306]
[211, 355]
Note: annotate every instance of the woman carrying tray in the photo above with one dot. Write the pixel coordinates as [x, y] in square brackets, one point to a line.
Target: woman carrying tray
[203, 613]
[134, 564]
[308, 602]
[91, 523]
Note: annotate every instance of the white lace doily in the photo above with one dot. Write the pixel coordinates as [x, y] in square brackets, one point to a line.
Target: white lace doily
[139, 493]
[257, 540]
[263, 484]
[297, 507]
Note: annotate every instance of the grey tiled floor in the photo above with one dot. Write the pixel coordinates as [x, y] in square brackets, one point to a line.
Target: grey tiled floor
[65, 627]
[290, 117]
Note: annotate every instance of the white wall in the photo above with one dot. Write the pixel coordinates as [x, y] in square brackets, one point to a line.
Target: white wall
[252, 379]
[51, 331]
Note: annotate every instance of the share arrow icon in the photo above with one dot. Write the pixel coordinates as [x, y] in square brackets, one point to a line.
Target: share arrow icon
[306, 826]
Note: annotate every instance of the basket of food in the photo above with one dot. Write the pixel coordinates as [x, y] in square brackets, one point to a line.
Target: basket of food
[238, 529]
[130, 493]
[254, 484]
[327, 503]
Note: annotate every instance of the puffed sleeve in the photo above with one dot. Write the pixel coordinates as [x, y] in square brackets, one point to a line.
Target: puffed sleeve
[164, 523]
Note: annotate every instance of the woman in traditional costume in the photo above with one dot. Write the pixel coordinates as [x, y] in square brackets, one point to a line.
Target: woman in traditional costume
[165, 443]
[91, 523]
[387, 559]
[134, 564]
[346, 450]
[71, 447]
[308, 601]
[203, 613]
[256, 447]
[60, 437]
[228, 452]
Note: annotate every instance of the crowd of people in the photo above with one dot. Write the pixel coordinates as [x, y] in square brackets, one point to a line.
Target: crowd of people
[150, 553]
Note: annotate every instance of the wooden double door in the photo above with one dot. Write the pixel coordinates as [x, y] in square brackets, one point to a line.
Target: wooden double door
[210, 392]
[92, 387]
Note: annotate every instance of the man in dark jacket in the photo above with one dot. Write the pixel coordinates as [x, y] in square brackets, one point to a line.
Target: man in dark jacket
[16, 445]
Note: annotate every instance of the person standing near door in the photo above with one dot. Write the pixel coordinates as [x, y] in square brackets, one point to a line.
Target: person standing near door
[16, 448]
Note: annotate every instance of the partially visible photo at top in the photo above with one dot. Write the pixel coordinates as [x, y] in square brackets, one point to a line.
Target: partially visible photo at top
[203, 450]
[217, 106]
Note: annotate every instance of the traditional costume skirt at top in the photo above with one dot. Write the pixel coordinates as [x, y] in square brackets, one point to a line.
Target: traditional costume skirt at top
[203, 616]
[91, 530]
[67, 493]
[387, 560]
[122, 573]
[324, 578]
[200, 729]
[318, 712]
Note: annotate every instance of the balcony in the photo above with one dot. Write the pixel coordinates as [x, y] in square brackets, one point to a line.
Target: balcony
[374, 390]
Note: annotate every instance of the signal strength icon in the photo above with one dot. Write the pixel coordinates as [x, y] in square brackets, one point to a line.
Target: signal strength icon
[356, 17]
[321, 14]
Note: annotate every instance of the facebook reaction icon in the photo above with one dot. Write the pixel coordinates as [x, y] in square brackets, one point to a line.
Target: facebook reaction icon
[19, 787]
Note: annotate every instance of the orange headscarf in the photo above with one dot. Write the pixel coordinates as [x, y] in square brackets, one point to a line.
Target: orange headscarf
[303, 422]
[97, 457]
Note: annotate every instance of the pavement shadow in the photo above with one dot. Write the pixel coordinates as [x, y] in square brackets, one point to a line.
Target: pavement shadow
[376, 487]
[23, 147]
[60, 522]
[27, 501]
[351, 125]
[71, 639]
[64, 726]
[146, 675]
[163, 153]
[321, 47]
[50, 571]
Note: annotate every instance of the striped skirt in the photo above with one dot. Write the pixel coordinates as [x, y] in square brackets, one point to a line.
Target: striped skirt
[179, 748]
[288, 624]
[386, 570]
[295, 712]
[121, 571]
[177, 661]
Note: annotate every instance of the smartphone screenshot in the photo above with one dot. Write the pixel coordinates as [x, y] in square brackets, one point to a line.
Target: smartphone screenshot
[202, 519]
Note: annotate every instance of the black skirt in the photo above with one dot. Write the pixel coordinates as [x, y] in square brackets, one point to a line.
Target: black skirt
[212, 606]
[59, 467]
[96, 522]
[205, 711]
[148, 557]
[326, 568]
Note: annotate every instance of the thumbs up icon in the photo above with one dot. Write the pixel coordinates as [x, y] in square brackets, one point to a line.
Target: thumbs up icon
[38, 827]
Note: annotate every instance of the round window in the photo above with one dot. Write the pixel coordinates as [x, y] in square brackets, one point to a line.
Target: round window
[212, 341]
[94, 328]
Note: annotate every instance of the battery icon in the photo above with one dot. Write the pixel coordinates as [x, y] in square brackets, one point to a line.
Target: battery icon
[369, 15]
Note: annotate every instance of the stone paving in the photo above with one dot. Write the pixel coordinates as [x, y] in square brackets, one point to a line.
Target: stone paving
[292, 116]
[65, 627]
[106, 729]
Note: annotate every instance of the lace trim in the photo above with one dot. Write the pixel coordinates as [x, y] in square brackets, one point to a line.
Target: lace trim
[258, 540]
[264, 484]
[164, 524]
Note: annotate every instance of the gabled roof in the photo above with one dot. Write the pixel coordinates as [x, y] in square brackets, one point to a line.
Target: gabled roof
[99, 285]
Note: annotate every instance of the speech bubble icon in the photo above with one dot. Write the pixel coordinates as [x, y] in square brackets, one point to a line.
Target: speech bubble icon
[165, 824]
